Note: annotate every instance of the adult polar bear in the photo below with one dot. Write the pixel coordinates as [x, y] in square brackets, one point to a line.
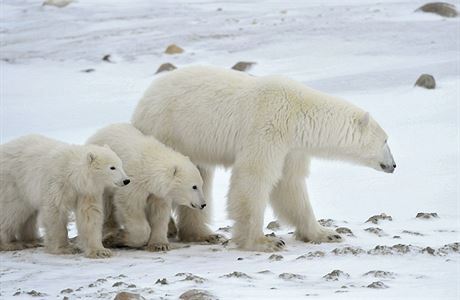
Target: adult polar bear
[266, 128]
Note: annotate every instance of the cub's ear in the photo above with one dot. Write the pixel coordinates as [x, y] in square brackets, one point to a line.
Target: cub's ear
[364, 120]
[90, 157]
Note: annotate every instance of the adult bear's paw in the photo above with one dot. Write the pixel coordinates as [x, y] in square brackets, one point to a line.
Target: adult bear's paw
[321, 234]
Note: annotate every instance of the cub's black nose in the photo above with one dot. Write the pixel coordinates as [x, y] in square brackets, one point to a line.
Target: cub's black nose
[126, 181]
[203, 206]
[394, 166]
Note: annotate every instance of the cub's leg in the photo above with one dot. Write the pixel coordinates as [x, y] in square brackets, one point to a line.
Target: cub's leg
[55, 224]
[29, 232]
[192, 223]
[290, 202]
[253, 176]
[90, 218]
[158, 215]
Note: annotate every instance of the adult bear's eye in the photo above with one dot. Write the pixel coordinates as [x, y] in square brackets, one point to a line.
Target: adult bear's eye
[112, 168]
[194, 187]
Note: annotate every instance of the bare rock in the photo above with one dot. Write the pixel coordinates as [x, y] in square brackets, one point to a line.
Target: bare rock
[67, 291]
[275, 257]
[291, 276]
[191, 277]
[173, 49]
[395, 249]
[336, 275]
[274, 225]
[161, 281]
[311, 255]
[107, 58]
[196, 294]
[412, 233]
[128, 296]
[348, 250]
[381, 274]
[34, 293]
[57, 3]
[426, 81]
[327, 222]
[265, 272]
[426, 216]
[243, 66]
[375, 219]
[377, 231]
[345, 231]
[225, 229]
[440, 8]
[429, 250]
[90, 70]
[377, 285]
[118, 283]
[166, 67]
[449, 248]
[237, 275]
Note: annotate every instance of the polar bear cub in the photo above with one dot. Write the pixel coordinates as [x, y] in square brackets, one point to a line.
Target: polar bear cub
[161, 177]
[42, 175]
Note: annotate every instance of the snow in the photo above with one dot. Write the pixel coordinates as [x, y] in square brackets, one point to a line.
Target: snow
[365, 51]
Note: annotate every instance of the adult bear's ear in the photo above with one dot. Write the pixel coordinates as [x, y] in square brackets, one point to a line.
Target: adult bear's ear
[90, 157]
[364, 120]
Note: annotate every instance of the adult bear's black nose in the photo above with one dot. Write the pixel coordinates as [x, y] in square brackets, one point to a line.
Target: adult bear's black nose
[126, 181]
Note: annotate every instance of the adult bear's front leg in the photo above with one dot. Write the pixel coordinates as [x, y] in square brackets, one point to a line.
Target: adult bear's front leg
[193, 223]
[252, 180]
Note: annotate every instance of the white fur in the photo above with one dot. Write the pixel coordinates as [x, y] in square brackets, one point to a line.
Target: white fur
[267, 128]
[41, 175]
[161, 177]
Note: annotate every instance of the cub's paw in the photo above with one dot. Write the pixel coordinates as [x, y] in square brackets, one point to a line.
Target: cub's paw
[265, 244]
[70, 249]
[98, 253]
[320, 235]
[156, 247]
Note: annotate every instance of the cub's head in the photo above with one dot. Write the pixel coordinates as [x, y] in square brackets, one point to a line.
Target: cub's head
[105, 166]
[372, 142]
[186, 186]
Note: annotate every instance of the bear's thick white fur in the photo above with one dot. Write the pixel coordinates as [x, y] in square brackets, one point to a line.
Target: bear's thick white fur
[51, 178]
[161, 177]
[267, 128]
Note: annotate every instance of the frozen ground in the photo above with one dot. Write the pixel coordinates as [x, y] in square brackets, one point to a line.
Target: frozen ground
[369, 52]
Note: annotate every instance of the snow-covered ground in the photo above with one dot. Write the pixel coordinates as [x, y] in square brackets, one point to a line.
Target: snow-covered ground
[369, 52]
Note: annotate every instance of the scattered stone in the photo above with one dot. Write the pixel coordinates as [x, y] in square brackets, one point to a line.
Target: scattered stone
[67, 291]
[17, 293]
[426, 81]
[377, 285]
[118, 283]
[290, 276]
[107, 58]
[271, 234]
[225, 229]
[165, 68]
[131, 286]
[173, 49]
[429, 250]
[313, 254]
[239, 258]
[191, 277]
[449, 248]
[162, 281]
[90, 70]
[412, 233]
[426, 216]
[243, 66]
[344, 230]
[196, 294]
[57, 3]
[396, 237]
[128, 296]
[219, 9]
[440, 8]
[336, 275]
[381, 274]
[265, 272]
[348, 250]
[327, 222]
[34, 293]
[395, 249]
[275, 257]
[375, 219]
[377, 231]
[66, 298]
[273, 225]
[237, 275]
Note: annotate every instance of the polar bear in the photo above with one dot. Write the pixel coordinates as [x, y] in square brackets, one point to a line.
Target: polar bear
[42, 175]
[161, 178]
[267, 129]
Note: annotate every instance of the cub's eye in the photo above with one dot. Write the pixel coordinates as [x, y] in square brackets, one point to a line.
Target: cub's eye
[112, 168]
[194, 187]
